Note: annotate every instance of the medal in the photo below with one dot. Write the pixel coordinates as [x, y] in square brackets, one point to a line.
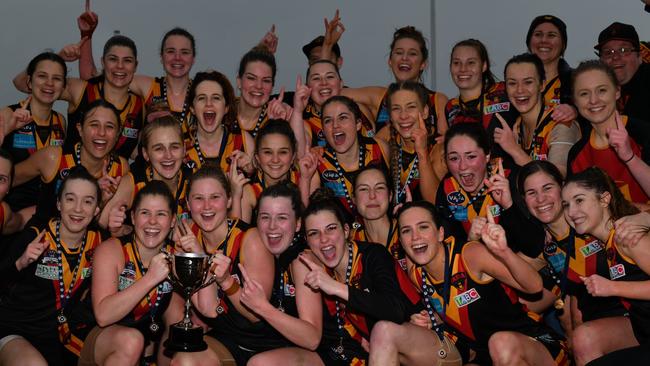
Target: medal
[61, 318]
[442, 354]
[219, 309]
[154, 327]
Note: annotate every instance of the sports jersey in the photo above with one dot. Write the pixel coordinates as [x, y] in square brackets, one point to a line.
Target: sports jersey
[408, 166]
[36, 306]
[392, 244]
[340, 181]
[25, 141]
[622, 268]
[584, 154]
[258, 184]
[383, 114]
[131, 118]
[540, 144]
[474, 309]
[158, 93]
[141, 177]
[314, 124]
[558, 89]
[373, 295]
[262, 120]
[146, 316]
[230, 142]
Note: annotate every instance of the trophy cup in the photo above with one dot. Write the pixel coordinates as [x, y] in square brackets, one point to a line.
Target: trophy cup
[188, 274]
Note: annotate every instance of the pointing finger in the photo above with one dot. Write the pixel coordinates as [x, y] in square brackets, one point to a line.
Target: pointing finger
[87, 6]
[26, 102]
[490, 218]
[307, 262]
[504, 124]
[244, 273]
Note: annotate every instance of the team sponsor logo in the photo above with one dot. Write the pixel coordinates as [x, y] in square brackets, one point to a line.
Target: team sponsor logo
[47, 272]
[455, 198]
[550, 248]
[458, 281]
[498, 107]
[64, 173]
[56, 142]
[616, 271]
[466, 298]
[289, 290]
[330, 175]
[86, 272]
[166, 287]
[124, 283]
[591, 248]
[129, 132]
[495, 210]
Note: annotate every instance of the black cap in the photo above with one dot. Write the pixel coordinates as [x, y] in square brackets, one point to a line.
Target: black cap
[317, 42]
[618, 31]
[557, 22]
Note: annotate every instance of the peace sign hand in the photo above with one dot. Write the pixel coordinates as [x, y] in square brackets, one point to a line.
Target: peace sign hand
[333, 30]
[184, 238]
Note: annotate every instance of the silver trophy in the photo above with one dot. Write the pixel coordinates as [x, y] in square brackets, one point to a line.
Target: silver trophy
[189, 273]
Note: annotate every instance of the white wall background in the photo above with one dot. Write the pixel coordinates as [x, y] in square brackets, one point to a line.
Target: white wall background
[225, 29]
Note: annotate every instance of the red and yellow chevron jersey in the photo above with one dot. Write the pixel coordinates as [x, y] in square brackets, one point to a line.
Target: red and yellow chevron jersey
[158, 93]
[481, 110]
[358, 233]
[74, 268]
[35, 135]
[262, 120]
[623, 268]
[464, 207]
[340, 181]
[644, 50]
[586, 154]
[140, 179]
[314, 125]
[131, 117]
[551, 92]
[258, 184]
[230, 141]
[152, 306]
[540, 144]
[383, 114]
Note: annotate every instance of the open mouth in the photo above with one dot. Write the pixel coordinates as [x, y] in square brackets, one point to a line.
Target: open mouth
[419, 248]
[274, 239]
[328, 252]
[325, 92]
[209, 117]
[76, 219]
[339, 138]
[100, 144]
[404, 67]
[151, 232]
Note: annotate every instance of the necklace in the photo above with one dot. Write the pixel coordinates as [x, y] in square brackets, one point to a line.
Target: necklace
[153, 305]
[339, 320]
[341, 175]
[260, 119]
[186, 105]
[401, 191]
[222, 146]
[77, 158]
[224, 248]
[64, 295]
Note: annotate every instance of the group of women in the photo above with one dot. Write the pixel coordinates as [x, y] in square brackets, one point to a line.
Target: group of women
[344, 226]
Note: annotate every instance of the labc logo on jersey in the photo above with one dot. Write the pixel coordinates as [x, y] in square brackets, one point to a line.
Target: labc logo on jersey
[466, 298]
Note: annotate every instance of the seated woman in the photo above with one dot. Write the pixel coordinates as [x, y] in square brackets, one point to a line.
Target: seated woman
[10, 222]
[617, 144]
[130, 291]
[48, 268]
[462, 285]
[536, 135]
[592, 204]
[358, 281]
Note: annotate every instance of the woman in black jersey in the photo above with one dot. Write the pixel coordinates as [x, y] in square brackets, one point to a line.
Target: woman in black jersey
[32, 124]
[293, 315]
[10, 222]
[462, 286]
[357, 279]
[130, 291]
[592, 204]
[48, 269]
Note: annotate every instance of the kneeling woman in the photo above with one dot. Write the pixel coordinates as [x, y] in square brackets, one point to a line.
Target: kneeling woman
[358, 281]
[463, 285]
[48, 268]
[130, 291]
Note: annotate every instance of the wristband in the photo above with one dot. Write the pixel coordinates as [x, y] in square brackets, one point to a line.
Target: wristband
[232, 289]
[630, 159]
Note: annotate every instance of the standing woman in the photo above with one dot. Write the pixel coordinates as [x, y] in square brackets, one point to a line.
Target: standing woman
[615, 143]
[32, 124]
[130, 291]
[255, 80]
[48, 267]
[292, 317]
[99, 130]
[462, 284]
[217, 136]
[536, 134]
[414, 158]
[357, 279]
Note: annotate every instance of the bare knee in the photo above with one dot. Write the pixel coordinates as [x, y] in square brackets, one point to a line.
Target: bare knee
[207, 358]
[130, 344]
[505, 348]
[383, 334]
[19, 352]
[585, 344]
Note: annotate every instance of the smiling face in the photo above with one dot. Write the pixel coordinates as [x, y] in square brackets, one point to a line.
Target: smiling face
[467, 162]
[275, 156]
[543, 197]
[624, 65]
[405, 106]
[419, 235]
[119, 66]
[78, 205]
[467, 68]
[546, 42]
[152, 221]
[5, 177]
[340, 127]
[256, 83]
[406, 60]
[165, 152]
[595, 96]
[277, 223]
[324, 82]
[99, 132]
[585, 210]
[177, 56]
[523, 86]
[209, 106]
[326, 237]
[47, 81]
[209, 203]
[371, 194]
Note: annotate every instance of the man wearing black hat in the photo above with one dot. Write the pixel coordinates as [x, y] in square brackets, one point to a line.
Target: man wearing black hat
[313, 51]
[618, 47]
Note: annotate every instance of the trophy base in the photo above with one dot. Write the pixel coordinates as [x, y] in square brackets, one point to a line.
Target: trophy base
[183, 339]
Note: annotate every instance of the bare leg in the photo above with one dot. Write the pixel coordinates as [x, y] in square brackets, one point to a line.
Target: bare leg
[19, 352]
[513, 348]
[118, 345]
[290, 356]
[225, 357]
[598, 337]
[394, 344]
[207, 358]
